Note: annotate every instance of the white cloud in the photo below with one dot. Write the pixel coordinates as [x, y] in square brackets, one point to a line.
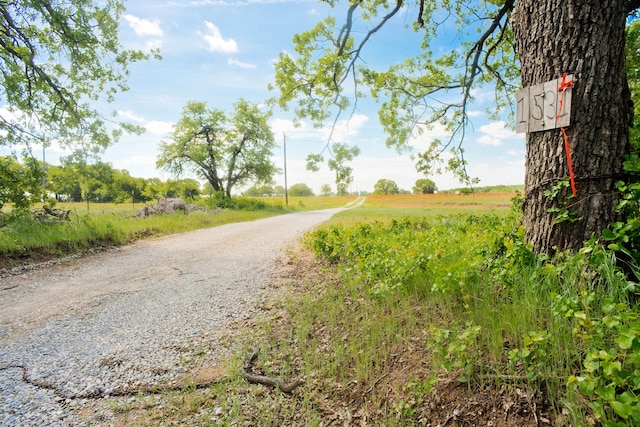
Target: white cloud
[302, 138]
[368, 170]
[144, 27]
[237, 63]
[305, 131]
[345, 128]
[490, 140]
[215, 41]
[507, 173]
[483, 95]
[130, 115]
[157, 127]
[282, 125]
[138, 160]
[423, 141]
[153, 44]
[495, 133]
[8, 116]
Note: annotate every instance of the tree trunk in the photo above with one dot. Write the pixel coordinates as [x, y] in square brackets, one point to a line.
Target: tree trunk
[585, 38]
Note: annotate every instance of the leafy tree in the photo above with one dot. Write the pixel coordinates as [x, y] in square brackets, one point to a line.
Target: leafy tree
[224, 151]
[325, 190]
[501, 42]
[56, 58]
[424, 186]
[97, 182]
[64, 182]
[20, 183]
[187, 188]
[154, 189]
[300, 190]
[340, 155]
[259, 191]
[386, 186]
[127, 188]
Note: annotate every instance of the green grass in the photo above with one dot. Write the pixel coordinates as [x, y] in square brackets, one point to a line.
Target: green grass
[386, 207]
[300, 204]
[24, 239]
[565, 328]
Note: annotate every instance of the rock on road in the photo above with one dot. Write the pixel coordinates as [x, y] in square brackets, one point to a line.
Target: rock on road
[126, 319]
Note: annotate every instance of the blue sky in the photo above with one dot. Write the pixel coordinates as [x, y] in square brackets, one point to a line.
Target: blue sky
[220, 51]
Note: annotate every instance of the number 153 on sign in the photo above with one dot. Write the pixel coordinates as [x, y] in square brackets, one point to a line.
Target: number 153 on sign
[543, 107]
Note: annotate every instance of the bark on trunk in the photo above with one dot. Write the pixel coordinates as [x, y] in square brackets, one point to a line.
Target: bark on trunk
[584, 38]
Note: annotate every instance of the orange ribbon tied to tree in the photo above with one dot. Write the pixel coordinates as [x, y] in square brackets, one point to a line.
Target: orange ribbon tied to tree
[564, 85]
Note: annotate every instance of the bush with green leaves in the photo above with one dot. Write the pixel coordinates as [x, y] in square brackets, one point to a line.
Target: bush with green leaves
[219, 200]
[411, 254]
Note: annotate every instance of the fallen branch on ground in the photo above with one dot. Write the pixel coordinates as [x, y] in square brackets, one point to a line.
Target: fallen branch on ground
[264, 380]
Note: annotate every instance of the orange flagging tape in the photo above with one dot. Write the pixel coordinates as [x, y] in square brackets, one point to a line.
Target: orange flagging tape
[564, 85]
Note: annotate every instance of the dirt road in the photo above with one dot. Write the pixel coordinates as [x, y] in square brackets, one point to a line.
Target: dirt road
[125, 318]
[222, 254]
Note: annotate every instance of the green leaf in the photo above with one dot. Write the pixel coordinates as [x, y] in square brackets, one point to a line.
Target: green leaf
[611, 369]
[625, 341]
[608, 392]
[623, 410]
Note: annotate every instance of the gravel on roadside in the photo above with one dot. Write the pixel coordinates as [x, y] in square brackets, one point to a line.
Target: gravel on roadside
[128, 319]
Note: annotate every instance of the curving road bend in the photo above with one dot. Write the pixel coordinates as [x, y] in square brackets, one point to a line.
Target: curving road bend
[126, 319]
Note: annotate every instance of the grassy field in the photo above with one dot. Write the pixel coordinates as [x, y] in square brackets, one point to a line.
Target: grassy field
[106, 224]
[381, 207]
[277, 204]
[308, 203]
[24, 239]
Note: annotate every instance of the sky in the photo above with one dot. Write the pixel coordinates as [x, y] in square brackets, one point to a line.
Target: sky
[219, 51]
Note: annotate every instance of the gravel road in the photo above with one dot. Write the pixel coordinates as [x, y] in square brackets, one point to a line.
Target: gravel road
[126, 319]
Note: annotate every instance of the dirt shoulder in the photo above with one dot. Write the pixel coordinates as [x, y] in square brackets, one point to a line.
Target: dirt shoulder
[395, 395]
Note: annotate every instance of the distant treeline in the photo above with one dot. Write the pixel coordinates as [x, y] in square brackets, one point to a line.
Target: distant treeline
[486, 189]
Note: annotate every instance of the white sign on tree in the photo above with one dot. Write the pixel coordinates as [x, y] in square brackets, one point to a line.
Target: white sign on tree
[544, 106]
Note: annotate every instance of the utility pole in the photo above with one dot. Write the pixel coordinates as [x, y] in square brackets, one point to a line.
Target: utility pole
[44, 174]
[286, 189]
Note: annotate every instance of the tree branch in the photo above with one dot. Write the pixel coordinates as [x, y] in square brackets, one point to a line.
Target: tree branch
[31, 67]
[343, 37]
[346, 32]
[492, 48]
[473, 67]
